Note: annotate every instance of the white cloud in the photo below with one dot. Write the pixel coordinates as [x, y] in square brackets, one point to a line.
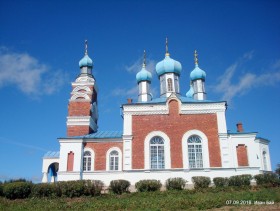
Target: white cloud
[136, 66]
[125, 92]
[247, 81]
[28, 74]
[33, 147]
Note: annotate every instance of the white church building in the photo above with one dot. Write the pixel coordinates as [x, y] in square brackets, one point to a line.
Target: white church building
[171, 135]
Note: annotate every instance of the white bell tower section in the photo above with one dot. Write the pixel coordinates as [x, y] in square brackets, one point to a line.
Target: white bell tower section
[144, 78]
[198, 80]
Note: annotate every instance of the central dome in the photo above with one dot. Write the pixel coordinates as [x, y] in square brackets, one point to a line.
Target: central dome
[168, 65]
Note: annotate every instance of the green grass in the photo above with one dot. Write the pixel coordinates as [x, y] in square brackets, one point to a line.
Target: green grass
[166, 200]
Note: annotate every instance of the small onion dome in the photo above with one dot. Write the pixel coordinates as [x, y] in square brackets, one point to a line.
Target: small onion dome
[197, 73]
[189, 94]
[86, 62]
[168, 65]
[143, 75]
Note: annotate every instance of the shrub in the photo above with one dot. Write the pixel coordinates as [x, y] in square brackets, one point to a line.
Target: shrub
[220, 181]
[268, 179]
[240, 180]
[201, 182]
[72, 189]
[93, 187]
[119, 186]
[17, 190]
[45, 190]
[176, 183]
[148, 185]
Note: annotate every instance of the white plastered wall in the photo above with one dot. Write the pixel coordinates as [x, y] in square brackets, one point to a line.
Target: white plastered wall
[46, 163]
[263, 147]
[127, 141]
[135, 176]
[248, 140]
[76, 146]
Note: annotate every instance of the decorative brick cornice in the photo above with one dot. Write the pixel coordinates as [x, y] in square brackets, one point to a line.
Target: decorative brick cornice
[77, 95]
[185, 108]
[202, 108]
[81, 120]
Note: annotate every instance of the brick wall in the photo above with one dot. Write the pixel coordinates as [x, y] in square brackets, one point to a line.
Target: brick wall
[100, 149]
[78, 130]
[79, 108]
[242, 156]
[175, 126]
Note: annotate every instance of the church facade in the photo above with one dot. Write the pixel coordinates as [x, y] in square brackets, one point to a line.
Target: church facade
[172, 135]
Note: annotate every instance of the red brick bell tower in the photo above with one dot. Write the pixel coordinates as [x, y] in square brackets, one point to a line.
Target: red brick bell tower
[82, 108]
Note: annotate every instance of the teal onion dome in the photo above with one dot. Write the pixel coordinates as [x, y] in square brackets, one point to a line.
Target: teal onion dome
[86, 61]
[168, 65]
[143, 75]
[197, 73]
[189, 94]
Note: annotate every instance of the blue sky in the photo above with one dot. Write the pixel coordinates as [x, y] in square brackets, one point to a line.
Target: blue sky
[41, 43]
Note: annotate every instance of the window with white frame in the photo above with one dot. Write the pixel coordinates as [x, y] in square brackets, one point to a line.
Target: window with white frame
[264, 161]
[157, 153]
[87, 161]
[169, 85]
[195, 152]
[114, 160]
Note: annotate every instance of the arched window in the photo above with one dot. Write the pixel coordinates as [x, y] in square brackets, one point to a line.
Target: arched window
[157, 153]
[264, 161]
[195, 152]
[87, 161]
[169, 85]
[114, 161]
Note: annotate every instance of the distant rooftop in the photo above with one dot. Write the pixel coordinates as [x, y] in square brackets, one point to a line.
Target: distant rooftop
[100, 135]
[240, 133]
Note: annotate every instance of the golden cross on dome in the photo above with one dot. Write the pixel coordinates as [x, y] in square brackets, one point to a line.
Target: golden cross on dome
[144, 59]
[166, 47]
[196, 57]
[86, 46]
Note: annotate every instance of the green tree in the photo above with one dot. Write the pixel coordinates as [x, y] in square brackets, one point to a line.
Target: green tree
[277, 170]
